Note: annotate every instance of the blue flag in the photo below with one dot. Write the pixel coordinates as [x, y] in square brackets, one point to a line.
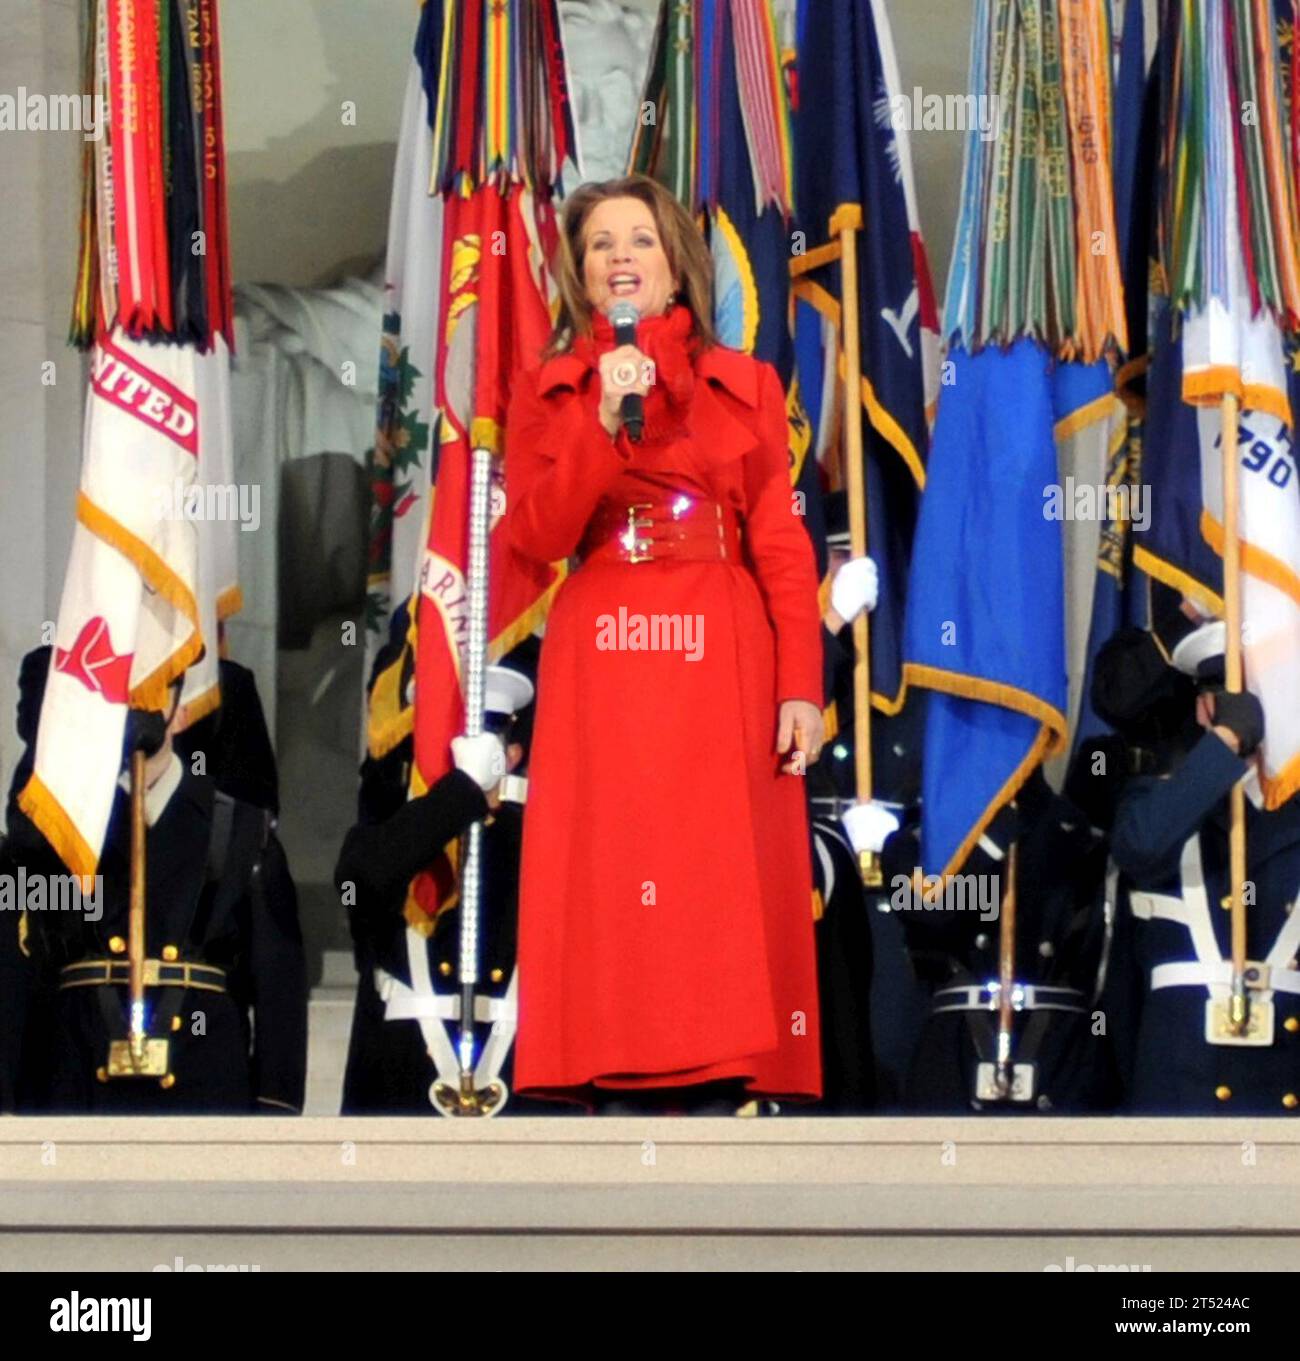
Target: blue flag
[751, 250]
[852, 168]
[1172, 548]
[985, 620]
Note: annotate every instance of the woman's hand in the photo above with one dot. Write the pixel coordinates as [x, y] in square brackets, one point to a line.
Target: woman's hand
[623, 371]
[800, 732]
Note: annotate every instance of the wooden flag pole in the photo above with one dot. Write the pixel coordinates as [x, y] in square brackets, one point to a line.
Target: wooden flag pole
[868, 861]
[135, 942]
[1239, 1013]
[1004, 1073]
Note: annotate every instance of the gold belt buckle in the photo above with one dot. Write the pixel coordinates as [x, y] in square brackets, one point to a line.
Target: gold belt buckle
[638, 549]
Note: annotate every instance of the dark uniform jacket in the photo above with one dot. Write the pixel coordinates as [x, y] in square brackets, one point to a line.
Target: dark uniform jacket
[1171, 843]
[844, 960]
[218, 892]
[1060, 939]
[389, 1068]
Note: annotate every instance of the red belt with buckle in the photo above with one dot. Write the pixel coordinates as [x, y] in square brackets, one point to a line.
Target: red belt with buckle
[678, 527]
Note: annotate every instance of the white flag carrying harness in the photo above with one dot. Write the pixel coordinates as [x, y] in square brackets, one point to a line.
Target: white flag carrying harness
[435, 1011]
[1209, 969]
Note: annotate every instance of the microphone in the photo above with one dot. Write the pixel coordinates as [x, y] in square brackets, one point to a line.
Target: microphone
[623, 317]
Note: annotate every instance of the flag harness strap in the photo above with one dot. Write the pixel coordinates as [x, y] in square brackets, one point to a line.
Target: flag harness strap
[1192, 910]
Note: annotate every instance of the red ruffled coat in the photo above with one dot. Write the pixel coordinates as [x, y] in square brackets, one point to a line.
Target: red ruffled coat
[665, 919]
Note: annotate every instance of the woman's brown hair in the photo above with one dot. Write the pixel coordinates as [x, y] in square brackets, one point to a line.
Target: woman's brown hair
[688, 257]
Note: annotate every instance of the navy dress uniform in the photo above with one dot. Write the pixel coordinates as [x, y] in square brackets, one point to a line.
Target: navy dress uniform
[1173, 974]
[1062, 937]
[26, 1007]
[1171, 843]
[400, 1045]
[844, 965]
[225, 969]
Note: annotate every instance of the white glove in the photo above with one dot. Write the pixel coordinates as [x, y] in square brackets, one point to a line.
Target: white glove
[867, 825]
[854, 588]
[482, 758]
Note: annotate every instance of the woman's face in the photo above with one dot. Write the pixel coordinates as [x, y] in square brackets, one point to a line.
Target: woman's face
[623, 258]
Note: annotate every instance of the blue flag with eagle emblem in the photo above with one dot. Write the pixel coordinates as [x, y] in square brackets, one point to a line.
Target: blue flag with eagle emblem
[853, 169]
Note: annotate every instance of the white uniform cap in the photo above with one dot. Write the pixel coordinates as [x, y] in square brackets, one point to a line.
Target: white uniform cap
[1210, 640]
[507, 691]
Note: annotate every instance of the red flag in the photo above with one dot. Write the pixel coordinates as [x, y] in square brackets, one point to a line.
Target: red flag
[496, 319]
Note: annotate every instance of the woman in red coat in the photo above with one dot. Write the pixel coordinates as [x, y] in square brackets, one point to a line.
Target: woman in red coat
[665, 920]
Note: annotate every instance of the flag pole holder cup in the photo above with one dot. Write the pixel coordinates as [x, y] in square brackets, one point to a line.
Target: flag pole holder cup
[467, 1100]
[129, 1058]
[870, 870]
[1240, 1019]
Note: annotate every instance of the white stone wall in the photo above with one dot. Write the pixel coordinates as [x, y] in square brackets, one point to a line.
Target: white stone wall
[40, 424]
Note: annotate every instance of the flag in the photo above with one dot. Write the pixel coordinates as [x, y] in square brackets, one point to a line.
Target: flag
[152, 570]
[722, 142]
[398, 465]
[1117, 596]
[501, 132]
[987, 632]
[1026, 407]
[1227, 197]
[853, 168]
[154, 252]
[745, 187]
[129, 620]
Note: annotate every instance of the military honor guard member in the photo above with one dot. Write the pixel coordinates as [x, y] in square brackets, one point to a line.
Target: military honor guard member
[225, 976]
[1170, 842]
[1062, 1057]
[841, 908]
[407, 965]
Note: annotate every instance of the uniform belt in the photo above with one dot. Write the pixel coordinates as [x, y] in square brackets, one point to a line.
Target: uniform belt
[1196, 974]
[679, 527]
[93, 973]
[1024, 997]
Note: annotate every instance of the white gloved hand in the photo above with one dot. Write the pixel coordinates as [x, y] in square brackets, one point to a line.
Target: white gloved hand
[867, 825]
[854, 588]
[482, 758]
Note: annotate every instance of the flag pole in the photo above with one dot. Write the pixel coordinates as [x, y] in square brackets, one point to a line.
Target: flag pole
[135, 922]
[868, 860]
[1239, 1012]
[466, 1099]
[1004, 1071]
[138, 1055]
